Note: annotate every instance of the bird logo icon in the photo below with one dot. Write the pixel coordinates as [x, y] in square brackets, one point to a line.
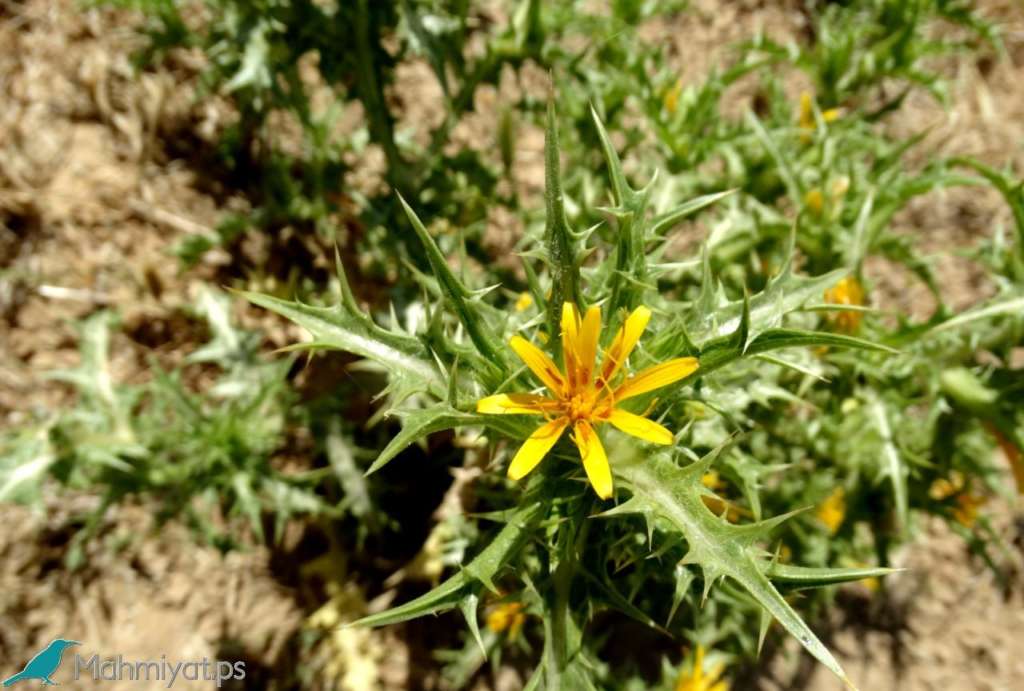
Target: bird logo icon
[44, 664]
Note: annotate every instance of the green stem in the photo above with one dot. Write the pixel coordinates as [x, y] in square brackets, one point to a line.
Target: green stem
[559, 626]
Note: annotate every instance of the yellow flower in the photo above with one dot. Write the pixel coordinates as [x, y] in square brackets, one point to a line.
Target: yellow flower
[967, 505]
[507, 616]
[944, 488]
[847, 291]
[583, 396]
[695, 680]
[814, 200]
[719, 506]
[967, 502]
[805, 116]
[671, 98]
[833, 510]
[524, 302]
[712, 480]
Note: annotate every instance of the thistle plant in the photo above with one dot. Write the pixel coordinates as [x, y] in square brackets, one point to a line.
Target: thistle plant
[202, 455]
[557, 542]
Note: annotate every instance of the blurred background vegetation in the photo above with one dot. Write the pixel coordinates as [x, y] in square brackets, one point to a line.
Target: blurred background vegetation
[157, 155]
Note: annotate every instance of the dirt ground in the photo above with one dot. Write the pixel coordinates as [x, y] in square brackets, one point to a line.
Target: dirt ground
[91, 205]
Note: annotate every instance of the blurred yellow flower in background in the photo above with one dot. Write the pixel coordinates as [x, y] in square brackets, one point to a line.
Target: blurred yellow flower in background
[847, 291]
[832, 511]
[814, 200]
[671, 98]
[507, 617]
[805, 116]
[966, 501]
[696, 680]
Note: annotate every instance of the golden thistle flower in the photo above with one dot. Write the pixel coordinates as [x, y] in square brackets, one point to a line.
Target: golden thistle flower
[814, 200]
[967, 505]
[696, 680]
[671, 98]
[523, 302]
[944, 488]
[966, 501]
[712, 480]
[805, 117]
[719, 506]
[506, 616]
[833, 510]
[583, 396]
[847, 291]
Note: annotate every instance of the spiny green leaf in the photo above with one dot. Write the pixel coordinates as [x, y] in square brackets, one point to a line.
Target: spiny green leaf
[342, 461]
[675, 494]
[469, 606]
[458, 295]
[93, 377]
[628, 274]
[813, 577]
[24, 462]
[418, 424]
[783, 294]
[893, 465]
[1010, 304]
[403, 357]
[775, 339]
[663, 222]
[482, 569]
[247, 502]
[1013, 193]
[683, 580]
[789, 178]
[624, 195]
[620, 602]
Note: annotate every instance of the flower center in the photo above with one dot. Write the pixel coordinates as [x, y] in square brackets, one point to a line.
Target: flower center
[580, 407]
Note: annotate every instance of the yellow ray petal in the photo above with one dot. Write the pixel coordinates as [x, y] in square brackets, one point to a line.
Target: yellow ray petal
[624, 342]
[641, 427]
[590, 332]
[656, 377]
[541, 365]
[570, 342]
[536, 447]
[515, 404]
[595, 461]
